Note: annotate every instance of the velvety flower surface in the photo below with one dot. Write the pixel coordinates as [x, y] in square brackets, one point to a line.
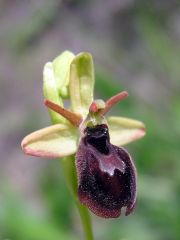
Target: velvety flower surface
[106, 172]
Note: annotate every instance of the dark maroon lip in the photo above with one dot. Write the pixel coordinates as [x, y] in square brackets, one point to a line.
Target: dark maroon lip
[106, 174]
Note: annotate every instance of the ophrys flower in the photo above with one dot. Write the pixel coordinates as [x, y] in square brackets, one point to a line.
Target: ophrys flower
[106, 172]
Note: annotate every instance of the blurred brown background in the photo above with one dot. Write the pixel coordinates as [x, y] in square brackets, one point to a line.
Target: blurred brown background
[136, 47]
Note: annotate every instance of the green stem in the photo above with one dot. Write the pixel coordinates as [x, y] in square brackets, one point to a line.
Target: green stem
[68, 165]
[86, 221]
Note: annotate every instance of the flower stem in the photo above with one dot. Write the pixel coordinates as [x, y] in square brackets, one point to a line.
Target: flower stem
[68, 165]
[86, 221]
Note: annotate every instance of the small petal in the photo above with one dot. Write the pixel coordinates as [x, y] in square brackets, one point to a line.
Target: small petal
[113, 100]
[125, 130]
[74, 118]
[81, 83]
[58, 140]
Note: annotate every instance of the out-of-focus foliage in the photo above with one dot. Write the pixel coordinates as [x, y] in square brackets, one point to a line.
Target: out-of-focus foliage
[135, 45]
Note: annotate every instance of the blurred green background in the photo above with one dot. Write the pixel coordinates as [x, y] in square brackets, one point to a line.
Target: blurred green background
[136, 47]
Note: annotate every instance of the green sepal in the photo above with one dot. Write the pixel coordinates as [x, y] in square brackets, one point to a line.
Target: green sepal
[81, 85]
[125, 130]
[58, 140]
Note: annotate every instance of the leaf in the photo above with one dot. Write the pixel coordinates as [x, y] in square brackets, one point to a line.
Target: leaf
[81, 83]
[58, 140]
[125, 130]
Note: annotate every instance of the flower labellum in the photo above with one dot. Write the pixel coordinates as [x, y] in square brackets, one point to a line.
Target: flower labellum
[106, 173]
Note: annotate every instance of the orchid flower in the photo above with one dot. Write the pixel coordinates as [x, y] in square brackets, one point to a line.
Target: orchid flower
[105, 171]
